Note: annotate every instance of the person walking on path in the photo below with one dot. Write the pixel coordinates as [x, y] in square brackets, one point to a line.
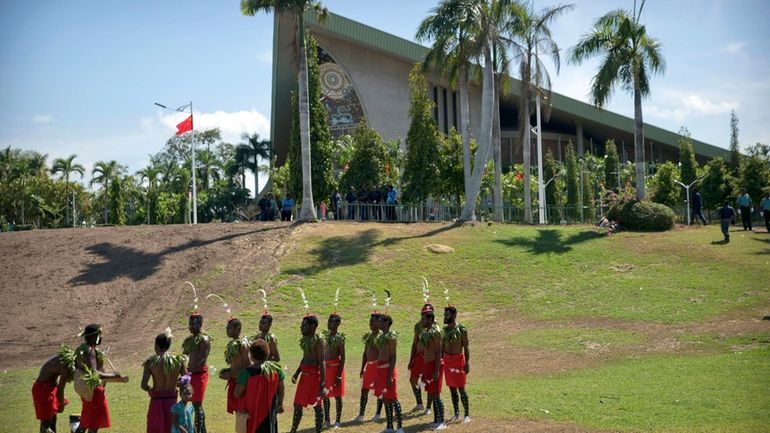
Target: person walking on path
[697, 207]
[765, 207]
[744, 208]
[726, 216]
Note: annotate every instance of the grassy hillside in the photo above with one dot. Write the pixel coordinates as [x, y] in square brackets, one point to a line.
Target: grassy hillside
[570, 330]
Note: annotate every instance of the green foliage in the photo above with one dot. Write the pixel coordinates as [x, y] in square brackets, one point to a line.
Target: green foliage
[588, 195]
[715, 186]
[611, 165]
[572, 180]
[167, 207]
[117, 202]
[688, 165]
[421, 171]
[734, 160]
[755, 171]
[664, 189]
[321, 145]
[452, 182]
[367, 166]
[645, 216]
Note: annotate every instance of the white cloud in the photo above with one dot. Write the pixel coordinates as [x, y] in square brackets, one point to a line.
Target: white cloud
[43, 118]
[689, 105]
[232, 125]
[700, 105]
[734, 48]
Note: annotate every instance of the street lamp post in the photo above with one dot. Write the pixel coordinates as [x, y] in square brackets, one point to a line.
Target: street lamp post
[687, 191]
[192, 146]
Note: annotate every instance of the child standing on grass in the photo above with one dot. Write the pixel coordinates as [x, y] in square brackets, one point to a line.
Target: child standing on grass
[182, 412]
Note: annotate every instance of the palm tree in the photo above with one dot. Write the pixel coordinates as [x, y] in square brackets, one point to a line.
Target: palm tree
[104, 173]
[630, 56]
[485, 33]
[296, 9]
[151, 174]
[532, 39]
[249, 152]
[449, 27]
[65, 166]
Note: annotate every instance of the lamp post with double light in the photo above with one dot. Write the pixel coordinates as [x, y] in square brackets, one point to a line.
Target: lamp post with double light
[183, 109]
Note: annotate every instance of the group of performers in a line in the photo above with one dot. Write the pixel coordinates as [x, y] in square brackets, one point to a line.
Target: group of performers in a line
[255, 379]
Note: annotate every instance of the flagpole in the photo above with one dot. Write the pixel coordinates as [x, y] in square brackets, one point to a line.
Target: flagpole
[194, 188]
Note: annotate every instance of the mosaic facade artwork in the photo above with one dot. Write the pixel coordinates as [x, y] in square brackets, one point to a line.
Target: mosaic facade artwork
[343, 107]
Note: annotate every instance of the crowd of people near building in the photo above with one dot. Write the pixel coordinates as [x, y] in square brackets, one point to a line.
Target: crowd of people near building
[176, 383]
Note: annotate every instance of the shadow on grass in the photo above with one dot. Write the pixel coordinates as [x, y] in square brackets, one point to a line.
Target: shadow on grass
[121, 261]
[549, 241]
[340, 251]
[391, 241]
[766, 250]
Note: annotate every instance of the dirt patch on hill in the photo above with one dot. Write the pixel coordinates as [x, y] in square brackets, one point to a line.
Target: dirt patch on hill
[129, 279]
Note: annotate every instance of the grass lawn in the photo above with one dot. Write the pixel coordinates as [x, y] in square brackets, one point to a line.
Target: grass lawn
[635, 332]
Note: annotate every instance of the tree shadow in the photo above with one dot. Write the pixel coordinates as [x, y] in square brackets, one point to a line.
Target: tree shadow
[549, 241]
[121, 261]
[393, 240]
[340, 251]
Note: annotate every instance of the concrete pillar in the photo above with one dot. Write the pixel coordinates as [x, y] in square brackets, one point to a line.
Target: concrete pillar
[579, 133]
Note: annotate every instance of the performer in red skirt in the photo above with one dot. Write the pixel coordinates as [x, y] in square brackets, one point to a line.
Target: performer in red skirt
[456, 361]
[237, 357]
[335, 368]
[197, 347]
[430, 340]
[312, 381]
[368, 371]
[416, 365]
[48, 389]
[385, 385]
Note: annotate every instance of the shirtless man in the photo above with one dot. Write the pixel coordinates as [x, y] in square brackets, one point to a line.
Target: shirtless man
[237, 357]
[48, 389]
[416, 364]
[430, 340]
[335, 368]
[368, 372]
[310, 389]
[265, 323]
[197, 347]
[456, 361]
[95, 413]
[385, 385]
[164, 369]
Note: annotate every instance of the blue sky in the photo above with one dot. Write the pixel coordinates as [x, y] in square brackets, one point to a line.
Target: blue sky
[82, 76]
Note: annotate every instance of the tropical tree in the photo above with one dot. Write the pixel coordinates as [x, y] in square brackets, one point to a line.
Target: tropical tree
[104, 173]
[449, 26]
[687, 164]
[296, 10]
[531, 41]
[665, 190]
[630, 56]
[572, 180]
[715, 186]
[66, 167]
[150, 174]
[248, 154]
[734, 162]
[611, 166]
[366, 167]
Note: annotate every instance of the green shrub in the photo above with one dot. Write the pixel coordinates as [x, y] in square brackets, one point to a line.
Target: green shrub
[643, 216]
[23, 227]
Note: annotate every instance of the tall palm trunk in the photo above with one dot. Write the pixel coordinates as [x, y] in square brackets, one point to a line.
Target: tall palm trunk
[66, 197]
[497, 157]
[526, 144]
[466, 127]
[638, 142]
[307, 212]
[485, 138]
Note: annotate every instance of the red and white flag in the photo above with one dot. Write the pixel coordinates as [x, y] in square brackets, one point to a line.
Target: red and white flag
[186, 125]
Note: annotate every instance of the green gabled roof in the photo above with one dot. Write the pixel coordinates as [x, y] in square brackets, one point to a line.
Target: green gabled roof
[397, 47]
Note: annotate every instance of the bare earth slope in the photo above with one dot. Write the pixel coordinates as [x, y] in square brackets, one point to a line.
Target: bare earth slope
[54, 281]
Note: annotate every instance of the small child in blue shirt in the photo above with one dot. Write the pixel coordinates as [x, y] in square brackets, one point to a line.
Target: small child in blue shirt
[182, 412]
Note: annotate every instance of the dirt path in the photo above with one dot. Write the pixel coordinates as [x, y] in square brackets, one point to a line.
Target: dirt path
[129, 279]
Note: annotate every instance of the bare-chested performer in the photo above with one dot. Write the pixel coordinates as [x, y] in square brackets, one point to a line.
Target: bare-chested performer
[385, 386]
[164, 368]
[265, 323]
[237, 357]
[456, 361]
[90, 362]
[335, 368]
[368, 373]
[430, 340]
[416, 365]
[48, 389]
[312, 381]
[197, 347]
